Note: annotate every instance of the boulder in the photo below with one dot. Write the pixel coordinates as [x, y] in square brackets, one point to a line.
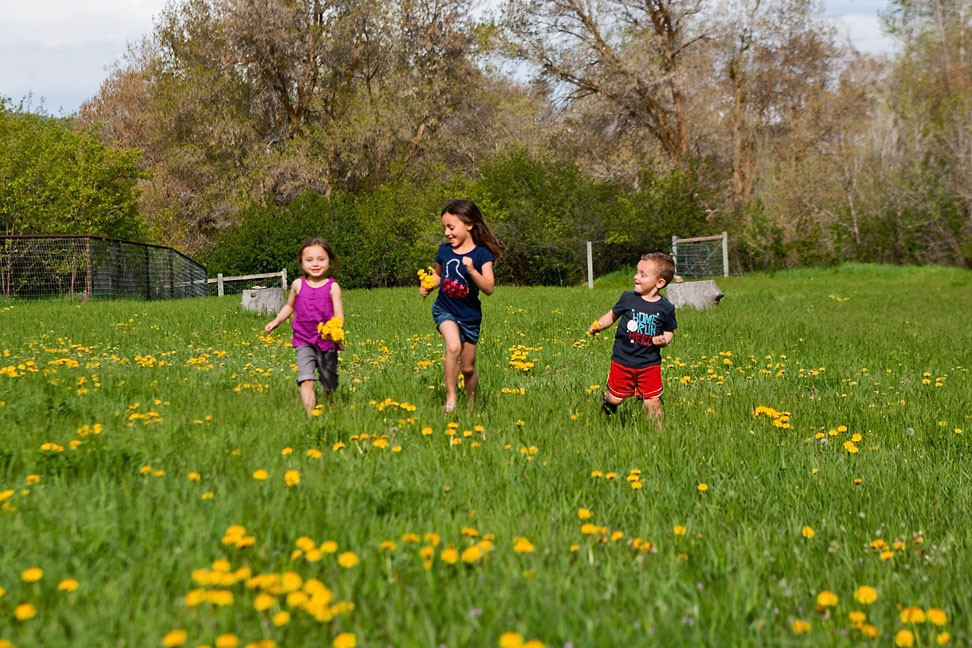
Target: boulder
[268, 301]
[698, 294]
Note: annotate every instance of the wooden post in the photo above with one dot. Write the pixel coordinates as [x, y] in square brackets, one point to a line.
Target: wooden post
[675, 252]
[283, 279]
[148, 278]
[590, 265]
[219, 284]
[725, 254]
[87, 260]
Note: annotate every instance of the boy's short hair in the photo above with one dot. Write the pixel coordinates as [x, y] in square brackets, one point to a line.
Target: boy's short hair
[665, 264]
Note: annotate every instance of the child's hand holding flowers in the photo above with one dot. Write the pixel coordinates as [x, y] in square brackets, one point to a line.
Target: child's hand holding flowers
[426, 281]
[595, 328]
[332, 329]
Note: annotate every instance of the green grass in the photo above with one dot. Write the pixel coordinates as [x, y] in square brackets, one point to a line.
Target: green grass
[880, 350]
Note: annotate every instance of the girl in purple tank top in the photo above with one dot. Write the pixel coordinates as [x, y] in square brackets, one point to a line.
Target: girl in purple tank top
[315, 303]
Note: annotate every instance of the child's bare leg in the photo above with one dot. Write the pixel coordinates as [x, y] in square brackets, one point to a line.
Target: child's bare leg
[467, 362]
[610, 403]
[450, 363]
[307, 396]
[653, 407]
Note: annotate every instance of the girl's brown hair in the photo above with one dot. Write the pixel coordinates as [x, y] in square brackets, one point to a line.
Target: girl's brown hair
[468, 213]
[332, 267]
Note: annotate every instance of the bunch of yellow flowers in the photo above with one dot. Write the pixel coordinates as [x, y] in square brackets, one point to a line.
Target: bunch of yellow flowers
[427, 278]
[332, 328]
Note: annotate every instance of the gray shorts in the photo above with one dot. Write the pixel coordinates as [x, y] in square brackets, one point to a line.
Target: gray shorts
[310, 358]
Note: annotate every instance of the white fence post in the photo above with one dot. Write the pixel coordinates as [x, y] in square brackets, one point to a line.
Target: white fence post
[283, 279]
[219, 284]
[590, 265]
[725, 254]
[675, 252]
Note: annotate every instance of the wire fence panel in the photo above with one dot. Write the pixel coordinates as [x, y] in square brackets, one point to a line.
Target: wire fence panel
[92, 267]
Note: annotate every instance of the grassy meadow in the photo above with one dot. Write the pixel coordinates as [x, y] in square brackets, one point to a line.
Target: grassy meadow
[161, 485]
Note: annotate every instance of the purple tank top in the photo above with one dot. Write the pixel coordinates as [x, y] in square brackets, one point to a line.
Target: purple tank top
[312, 307]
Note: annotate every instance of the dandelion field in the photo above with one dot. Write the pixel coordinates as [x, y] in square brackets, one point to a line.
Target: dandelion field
[161, 485]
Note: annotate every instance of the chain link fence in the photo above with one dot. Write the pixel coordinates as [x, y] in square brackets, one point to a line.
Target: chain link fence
[93, 267]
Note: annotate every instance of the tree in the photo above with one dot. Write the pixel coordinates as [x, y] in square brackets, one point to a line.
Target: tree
[252, 101]
[55, 180]
[628, 53]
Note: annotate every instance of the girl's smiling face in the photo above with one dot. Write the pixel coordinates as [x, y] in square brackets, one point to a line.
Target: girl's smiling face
[455, 230]
[315, 261]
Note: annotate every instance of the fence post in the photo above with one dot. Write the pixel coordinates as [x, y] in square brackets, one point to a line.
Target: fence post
[725, 254]
[590, 265]
[148, 278]
[87, 260]
[675, 252]
[283, 279]
[219, 284]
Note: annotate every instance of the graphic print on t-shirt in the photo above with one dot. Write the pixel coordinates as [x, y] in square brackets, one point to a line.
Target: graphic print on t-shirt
[453, 284]
[641, 327]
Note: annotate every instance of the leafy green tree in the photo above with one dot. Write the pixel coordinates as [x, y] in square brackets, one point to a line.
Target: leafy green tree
[55, 180]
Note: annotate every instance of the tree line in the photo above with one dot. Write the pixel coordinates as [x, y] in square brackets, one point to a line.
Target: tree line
[623, 121]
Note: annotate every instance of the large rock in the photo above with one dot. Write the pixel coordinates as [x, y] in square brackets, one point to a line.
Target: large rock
[268, 301]
[698, 294]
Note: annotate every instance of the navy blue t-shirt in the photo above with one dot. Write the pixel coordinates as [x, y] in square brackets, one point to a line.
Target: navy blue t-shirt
[458, 294]
[638, 321]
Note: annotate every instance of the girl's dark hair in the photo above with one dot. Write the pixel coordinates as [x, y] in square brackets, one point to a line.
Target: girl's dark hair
[332, 267]
[468, 213]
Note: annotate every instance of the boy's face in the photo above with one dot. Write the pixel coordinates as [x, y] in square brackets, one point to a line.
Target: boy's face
[647, 279]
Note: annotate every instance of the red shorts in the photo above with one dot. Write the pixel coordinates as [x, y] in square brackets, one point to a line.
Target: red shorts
[625, 382]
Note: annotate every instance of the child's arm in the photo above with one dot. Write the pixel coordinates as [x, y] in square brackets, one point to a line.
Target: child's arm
[603, 322]
[287, 309]
[437, 274]
[483, 278]
[336, 300]
[664, 339]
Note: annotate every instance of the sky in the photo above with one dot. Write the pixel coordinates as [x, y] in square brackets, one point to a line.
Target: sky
[60, 51]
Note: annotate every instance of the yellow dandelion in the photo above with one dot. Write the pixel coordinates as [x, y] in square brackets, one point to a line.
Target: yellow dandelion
[511, 640]
[912, 614]
[942, 638]
[703, 487]
[472, 554]
[24, 612]
[857, 618]
[583, 514]
[826, 598]
[263, 602]
[329, 546]
[801, 627]
[679, 530]
[32, 574]
[227, 641]
[904, 639]
[292, 478]
[69, 585]
[194, 476]
[807, 532]
[387, 545]
[522, 545]
[174, 638]
[937, 616]
[865, 594]
[281, 618]
[345, 640]
[348, 559]
[449, 555]
[260, 475]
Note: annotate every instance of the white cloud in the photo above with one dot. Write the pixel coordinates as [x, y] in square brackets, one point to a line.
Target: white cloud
[61, 49]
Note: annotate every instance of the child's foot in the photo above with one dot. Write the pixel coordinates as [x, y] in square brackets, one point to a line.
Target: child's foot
[448, 408]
